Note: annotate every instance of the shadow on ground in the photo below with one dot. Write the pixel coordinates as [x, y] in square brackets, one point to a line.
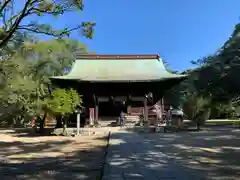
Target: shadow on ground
[205, 155]
[26, 132]
[51, 158]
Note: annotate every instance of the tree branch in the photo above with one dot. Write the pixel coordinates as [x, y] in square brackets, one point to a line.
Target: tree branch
[41, 7]
[16, 24]
[4, 5]
[53, 12]
[39, 31]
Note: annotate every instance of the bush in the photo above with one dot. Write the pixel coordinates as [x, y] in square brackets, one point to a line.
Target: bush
[62, 103]
[197, 109]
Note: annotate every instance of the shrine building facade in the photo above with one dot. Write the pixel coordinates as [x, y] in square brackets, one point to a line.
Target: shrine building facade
[112, 83]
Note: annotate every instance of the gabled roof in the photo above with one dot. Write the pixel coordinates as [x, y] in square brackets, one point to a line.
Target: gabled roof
[118, 68]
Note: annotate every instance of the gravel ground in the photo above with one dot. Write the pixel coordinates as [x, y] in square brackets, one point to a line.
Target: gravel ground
[213, 154]
[27, 157]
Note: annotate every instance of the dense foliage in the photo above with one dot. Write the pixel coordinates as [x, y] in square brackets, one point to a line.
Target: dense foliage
[62, 101]
[213, 87]
[26, 62]
[24, 77]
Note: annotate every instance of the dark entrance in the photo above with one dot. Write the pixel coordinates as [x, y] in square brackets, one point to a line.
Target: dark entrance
[111, 108]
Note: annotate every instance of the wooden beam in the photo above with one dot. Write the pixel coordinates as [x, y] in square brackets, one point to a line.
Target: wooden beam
[120, 98]
[116, 98]
[137, 98]
[145, 110]
[103, 99]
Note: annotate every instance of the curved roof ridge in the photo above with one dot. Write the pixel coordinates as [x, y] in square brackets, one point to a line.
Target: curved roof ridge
[117, 56]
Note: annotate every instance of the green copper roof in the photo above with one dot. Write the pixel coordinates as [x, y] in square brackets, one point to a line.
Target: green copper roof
[119, 70]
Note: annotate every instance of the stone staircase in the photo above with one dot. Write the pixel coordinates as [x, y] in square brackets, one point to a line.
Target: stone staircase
[131, 120]
[154, 118]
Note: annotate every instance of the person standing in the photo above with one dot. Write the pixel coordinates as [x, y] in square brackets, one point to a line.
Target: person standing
[121, 118]
[40, 123]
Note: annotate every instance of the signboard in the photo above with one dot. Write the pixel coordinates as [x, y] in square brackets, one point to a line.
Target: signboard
[91, 116]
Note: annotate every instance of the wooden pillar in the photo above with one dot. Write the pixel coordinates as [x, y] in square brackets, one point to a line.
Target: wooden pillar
[95, 100]
[91, 116]
[163, 104]
[145, 110]
[129, 109]
[129, 105]
[96, 110]
[162, 108]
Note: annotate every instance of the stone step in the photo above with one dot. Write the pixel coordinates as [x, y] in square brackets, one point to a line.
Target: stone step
[132, 118]
[137, 119]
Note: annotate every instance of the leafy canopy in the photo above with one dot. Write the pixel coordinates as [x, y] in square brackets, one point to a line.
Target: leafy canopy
[24, 76]
[62, 101]
[15, 17]
[213, 83]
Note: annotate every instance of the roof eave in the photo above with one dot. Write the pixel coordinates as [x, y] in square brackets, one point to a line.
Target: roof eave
[180, 77]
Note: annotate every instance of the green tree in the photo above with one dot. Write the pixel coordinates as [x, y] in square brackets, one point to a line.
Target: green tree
[196, 108]
[218, 77]
[18, 93]
[62, 102]
[13, 15]
[212, 88]
[24, 78]
[52, 57]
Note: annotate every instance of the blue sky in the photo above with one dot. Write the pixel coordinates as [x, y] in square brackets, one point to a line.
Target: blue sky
[178, 30]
